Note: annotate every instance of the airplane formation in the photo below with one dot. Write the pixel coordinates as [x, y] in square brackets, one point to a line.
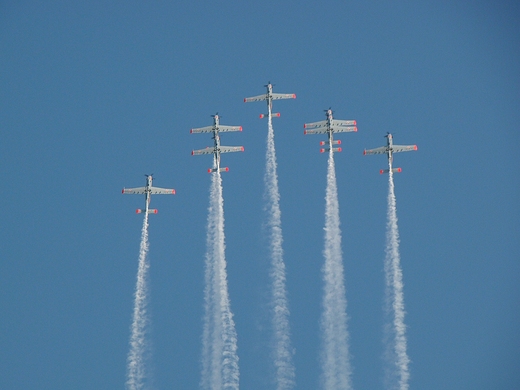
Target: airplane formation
[328, 126]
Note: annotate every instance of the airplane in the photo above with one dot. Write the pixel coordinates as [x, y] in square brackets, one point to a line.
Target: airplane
[389, 150]
[217, 149]
[329, 127]
[148, 190]
[269, 97]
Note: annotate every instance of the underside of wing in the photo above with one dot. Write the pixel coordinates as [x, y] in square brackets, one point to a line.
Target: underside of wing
[208, 150]
[229, 128]
[339, 122]
[381, 150]
[229, 149]
[277, 96]
[315, 125]
[403, 148]
[255, 98]
[343, 129]
[138, 190]
[313, 131]
[157, 190]
[206, 129]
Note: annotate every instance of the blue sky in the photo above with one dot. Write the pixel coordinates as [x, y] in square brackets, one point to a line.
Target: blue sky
[93, 96]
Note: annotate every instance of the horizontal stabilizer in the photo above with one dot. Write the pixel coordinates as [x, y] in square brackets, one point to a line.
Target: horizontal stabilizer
[150, 211]
[334, 142]
[225, 169]
[273, 114]
[394, 170]
[323, 150]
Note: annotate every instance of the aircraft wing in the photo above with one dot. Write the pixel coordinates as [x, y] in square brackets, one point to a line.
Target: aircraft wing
[315, 125]
[207, 129]
[312, 131]
[157, 190]
[403, 148]
[381, 150]
[277, 96]
[207, 150]
[342, 129]
[255, 98]
[229, 149]
[338, 122]
[229, 128]
[138, 190]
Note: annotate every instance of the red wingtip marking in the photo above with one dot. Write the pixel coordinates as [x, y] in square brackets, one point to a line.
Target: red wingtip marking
[399, 170]
[339, 142]
[209, 170]
[355, 128]
[339, 149]
[137, 211]
[240, 129]
[245, 99]
[261, 116]
[242, 148]
[191, 131]
[415, 147]
[123, 191]
[227, 169]
[355, 123]
[294, 96]
[304, 132]
[305, 126]
[278, 114]
[155, 211]
[381, 171]
[322, 150]
[192, 152]
[322, 143]
[364, 152]
[173, 192]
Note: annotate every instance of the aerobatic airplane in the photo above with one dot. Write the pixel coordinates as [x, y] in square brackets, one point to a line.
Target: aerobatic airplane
[217, 149]
[269, 97]
[330, 126]
[389, 150]
[148, 190]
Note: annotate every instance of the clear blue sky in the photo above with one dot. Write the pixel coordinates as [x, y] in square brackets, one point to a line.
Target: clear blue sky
[93, 96]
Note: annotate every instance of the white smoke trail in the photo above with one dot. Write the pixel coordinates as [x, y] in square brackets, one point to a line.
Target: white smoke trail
[282, 352]
[336, 371]
[219, 339]
[139, 348]
[397, 374]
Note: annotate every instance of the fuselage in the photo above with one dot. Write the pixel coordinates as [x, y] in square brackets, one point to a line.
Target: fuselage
[329, 126]
[389, 145]
[216, 138]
